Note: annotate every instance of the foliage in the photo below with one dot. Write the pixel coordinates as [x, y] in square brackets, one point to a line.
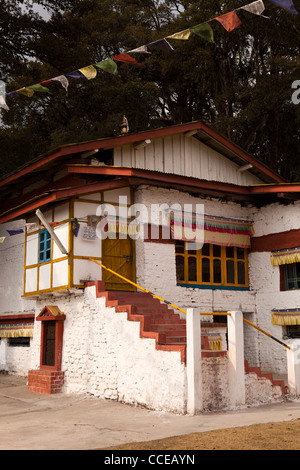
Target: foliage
[240, 84]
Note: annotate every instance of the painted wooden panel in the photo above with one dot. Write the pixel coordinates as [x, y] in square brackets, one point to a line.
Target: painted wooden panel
[31, 280]
[60, 274]
[184, 156]
[32, 250]
[62, 231]
[45, 276]
[85, 270]
[61, 213]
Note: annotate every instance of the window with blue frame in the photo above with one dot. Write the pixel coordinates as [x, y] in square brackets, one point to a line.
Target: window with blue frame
[292, 276]
[44, 246]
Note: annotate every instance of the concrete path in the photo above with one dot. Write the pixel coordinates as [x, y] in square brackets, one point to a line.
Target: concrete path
[30, 421]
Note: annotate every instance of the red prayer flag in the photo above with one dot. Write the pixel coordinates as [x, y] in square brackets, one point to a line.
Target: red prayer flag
[230, 21]
[125, 58]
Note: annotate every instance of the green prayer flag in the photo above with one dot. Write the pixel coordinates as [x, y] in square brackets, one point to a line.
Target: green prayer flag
[204, 30]
[39, 87]
[108, 65]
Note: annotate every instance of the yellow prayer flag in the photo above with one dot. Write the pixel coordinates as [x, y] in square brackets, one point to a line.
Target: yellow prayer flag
[26, 91]
[181, 35]
[89, 72]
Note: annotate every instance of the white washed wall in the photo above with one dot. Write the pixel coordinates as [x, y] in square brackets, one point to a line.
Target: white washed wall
[185, 156]
[265, 281]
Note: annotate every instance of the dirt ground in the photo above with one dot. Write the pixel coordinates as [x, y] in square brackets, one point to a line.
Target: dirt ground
[271, 436]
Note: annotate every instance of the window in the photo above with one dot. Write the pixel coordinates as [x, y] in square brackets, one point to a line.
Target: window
[213, 265]
[292, 331]
[292, 276]
[44, 246]
[19, 341]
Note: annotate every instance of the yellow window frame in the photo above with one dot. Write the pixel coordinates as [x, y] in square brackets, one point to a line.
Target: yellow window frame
[215, 254]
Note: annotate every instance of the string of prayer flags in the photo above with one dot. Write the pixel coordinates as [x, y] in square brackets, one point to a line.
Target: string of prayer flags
[229, 21]
[89, 72]
[108, 66]
[204, 30]
[287, 5]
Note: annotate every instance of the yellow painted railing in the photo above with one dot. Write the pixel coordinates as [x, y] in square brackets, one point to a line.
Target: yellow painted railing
[180, 309]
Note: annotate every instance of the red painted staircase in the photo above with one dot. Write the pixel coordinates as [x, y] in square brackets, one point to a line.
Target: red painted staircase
[269, 376]
[157, 320]
[161, 323]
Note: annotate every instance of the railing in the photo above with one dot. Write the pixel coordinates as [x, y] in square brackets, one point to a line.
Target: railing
[180, 309]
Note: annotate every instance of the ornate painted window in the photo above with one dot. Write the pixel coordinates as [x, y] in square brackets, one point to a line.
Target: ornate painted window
[44, 246]
[213, 266]
[292, 276]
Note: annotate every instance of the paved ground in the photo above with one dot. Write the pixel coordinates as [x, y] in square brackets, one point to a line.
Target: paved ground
[30, 421]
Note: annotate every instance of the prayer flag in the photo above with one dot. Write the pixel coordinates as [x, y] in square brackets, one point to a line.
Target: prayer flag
[256, 8]
[184, 35]
[26, 91]
[108, 66]
[89, 72]
[2, 239]
[204, 30]
[74, 74]
[63, 80]
[286, 4]
[125, 58]
[14, 231]
[40, 88]
[229, 21]
[142, 50]
[3, 103]
[162, 44]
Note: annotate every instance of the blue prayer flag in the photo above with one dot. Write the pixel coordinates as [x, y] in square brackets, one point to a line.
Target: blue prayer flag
[286, 4]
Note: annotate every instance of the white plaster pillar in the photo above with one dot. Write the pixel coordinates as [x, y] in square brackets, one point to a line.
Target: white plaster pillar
[236, 363]
[3, 351]
[293, 366]
[193, 362]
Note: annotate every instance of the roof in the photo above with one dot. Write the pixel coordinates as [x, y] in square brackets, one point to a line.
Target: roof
[201, 131]
[36, 184]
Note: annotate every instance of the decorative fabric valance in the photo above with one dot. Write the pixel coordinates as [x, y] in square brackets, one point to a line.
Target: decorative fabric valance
[121, 225]
[114, 224]
[16, 330]
[286, 317]
[289, 256]
[217, 230]
[215, 342]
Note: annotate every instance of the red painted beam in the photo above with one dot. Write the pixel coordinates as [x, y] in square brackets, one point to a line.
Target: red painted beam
[58, 195]
[159, 177]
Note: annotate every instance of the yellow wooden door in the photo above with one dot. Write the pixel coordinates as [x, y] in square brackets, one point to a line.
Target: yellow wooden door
[118, 255]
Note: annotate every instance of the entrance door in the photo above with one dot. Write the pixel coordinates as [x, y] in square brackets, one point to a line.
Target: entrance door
[118, 256]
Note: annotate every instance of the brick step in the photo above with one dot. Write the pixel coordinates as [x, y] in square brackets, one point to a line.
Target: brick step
[175, 339]
[168, 327]
[266, 375]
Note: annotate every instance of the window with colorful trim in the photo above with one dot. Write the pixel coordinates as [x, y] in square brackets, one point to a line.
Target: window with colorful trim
[44, 246]
[292, 276]
[213, 265]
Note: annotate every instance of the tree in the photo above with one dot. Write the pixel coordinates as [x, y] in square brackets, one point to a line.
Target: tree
[240, 83]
